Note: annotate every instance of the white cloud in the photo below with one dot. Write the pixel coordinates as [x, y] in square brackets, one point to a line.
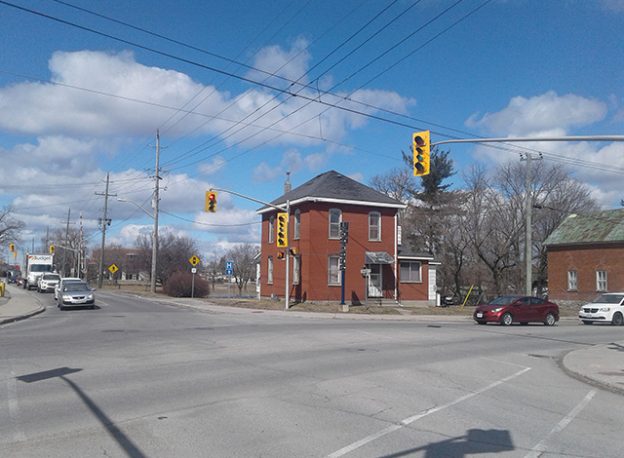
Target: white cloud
[357, 176]
[290, 64]
[600, 165]
[212, 167]
[527, 116]
[613, 5]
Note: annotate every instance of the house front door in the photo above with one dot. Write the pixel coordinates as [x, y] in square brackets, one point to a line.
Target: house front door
[375, 281]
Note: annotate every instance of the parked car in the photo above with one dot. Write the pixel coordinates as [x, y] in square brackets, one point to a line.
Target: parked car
[76, 294]
[61, 282]
[606, 308]
[47, 282]
[506, 310]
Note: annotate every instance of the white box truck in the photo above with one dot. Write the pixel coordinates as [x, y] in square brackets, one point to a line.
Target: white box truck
[36, 266]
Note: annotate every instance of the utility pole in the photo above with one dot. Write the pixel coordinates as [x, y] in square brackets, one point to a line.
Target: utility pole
[528, 237]
[80, 247]
[104, 222]
[155, 207]
[66, 244]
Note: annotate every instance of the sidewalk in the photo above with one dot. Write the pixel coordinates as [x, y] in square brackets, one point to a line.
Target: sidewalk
[600, 365]
[18, 305]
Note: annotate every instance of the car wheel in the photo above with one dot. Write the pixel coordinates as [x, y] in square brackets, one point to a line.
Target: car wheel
[617, 320]
[480, 322]
[587, 322]
[550, 320]
[507, 319]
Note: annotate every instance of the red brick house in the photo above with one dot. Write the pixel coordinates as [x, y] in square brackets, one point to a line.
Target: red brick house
[317, 207]
[586, 256]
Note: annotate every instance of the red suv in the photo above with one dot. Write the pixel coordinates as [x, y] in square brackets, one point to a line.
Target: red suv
[517, 309]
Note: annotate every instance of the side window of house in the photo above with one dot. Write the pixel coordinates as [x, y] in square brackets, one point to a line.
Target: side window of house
[333, 272]
[271, 229]
[374, 226]
[297, 228]
[335, 216]
[410, 272]
[572, 280]
[270, 270]
[296, 270]
[601, 280]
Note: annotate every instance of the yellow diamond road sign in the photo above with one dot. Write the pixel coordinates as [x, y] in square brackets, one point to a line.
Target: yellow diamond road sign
[113, 268]
[194, 260]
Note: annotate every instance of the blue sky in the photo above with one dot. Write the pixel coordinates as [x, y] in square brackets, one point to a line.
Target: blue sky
[75, 105]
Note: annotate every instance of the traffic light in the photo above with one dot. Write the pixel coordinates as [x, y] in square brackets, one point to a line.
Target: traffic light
[12, 247]
[421, 144]
[280, 255]
[282, 230]
[211, 202]
[51, 249]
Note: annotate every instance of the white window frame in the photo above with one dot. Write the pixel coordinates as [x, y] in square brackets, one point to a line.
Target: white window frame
[371, 226]
[572, 280]
[411, 271]
[601, 281]
[271, 229]
[333, 272]
[296, 270]
[270, 270]
[297, 225]
[333, 225]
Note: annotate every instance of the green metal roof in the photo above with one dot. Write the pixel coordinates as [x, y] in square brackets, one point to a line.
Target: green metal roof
[600, 227]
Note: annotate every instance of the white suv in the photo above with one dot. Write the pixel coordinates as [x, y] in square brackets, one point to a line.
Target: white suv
[47, 282]
[606, 308]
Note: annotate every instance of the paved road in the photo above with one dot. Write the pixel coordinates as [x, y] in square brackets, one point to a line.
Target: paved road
[139, 378]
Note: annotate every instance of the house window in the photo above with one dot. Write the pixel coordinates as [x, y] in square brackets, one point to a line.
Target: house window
[572, 280]
[333, 272]
[601, 280]
[374, 226]
[296, 269]
[270, 271]
[335, 216]
[297, 228]
[271, 229]
[410, 272]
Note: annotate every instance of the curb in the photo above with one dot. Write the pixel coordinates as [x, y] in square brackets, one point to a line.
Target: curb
[584, 378]
[13, 319]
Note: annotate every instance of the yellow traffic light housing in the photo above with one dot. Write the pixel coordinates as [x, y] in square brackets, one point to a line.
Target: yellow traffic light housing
[51, 249]
[421, 144]
[12, 247]
[282, 230]
[211, 202]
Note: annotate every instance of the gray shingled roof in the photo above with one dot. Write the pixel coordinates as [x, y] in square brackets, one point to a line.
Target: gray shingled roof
[601, 227]
[333, 185]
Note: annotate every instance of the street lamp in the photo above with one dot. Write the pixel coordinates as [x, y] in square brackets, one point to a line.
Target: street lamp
[154, 241]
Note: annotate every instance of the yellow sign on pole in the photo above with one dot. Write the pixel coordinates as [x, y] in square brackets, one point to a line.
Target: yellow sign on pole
[113, 268]
[194, 260]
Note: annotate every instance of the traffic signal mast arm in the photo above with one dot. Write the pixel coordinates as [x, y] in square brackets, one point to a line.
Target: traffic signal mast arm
[276, 207]
[577, 138]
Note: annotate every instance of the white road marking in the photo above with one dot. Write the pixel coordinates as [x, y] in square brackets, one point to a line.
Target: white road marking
[412, 419]
[18, 434]
[541, 447]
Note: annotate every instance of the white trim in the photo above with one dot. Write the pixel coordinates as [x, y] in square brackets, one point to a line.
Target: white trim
[334, 201]
[416, 258]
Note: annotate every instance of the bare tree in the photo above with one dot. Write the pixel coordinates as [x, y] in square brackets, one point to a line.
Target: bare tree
[244, 260]
[10, 228]
[173, 254]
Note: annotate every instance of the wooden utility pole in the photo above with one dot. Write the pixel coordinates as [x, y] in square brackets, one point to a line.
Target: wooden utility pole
[155, 207]
[104, 221]
[64, 274]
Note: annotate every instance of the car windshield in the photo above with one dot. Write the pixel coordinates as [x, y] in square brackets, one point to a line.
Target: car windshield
[609, 298]
[503, 300]
[51, 277]
[77, 286]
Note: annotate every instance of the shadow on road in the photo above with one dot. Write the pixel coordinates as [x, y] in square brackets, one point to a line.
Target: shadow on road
[475, 441]
[124, 441]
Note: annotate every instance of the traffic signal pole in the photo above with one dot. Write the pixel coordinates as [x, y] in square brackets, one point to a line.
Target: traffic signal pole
[281, 208]
[528, 234]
